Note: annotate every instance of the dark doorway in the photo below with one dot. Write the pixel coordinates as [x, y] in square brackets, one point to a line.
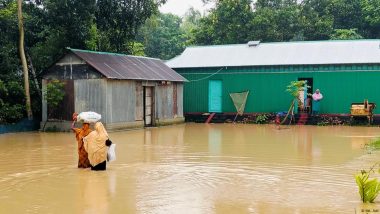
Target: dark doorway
[307, 99]
[148, 106]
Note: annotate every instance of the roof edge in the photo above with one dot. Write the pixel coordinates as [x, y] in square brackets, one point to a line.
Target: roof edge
[109, 53]
[237, 66]
[288, 42]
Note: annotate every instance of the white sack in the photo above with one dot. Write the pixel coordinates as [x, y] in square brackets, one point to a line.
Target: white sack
[89, 117]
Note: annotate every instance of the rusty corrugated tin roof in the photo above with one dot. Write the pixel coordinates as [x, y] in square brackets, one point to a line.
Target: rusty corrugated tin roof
[120, 66]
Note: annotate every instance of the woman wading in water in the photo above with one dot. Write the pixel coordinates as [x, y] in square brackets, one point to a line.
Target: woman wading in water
[95, 145]
[80, 133]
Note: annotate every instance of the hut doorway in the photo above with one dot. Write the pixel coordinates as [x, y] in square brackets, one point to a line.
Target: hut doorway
[148, 106]
[215, 96]
[305, 96]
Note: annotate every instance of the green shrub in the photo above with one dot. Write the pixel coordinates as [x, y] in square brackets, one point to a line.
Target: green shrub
[11, 102]
[11, 113]
[368, 188]
[261, 119]
[374, 145]
[54, 93]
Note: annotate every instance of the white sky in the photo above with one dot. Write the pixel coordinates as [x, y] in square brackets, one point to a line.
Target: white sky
[179, 7]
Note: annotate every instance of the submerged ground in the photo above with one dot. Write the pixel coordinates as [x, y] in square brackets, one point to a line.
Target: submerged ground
[191, 168]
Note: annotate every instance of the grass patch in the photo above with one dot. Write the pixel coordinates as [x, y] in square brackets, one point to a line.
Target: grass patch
[374, 145]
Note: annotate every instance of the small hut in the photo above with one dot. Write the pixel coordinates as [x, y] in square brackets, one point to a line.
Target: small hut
[128, 91]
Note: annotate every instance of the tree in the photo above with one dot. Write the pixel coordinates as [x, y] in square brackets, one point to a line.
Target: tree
[70, 21]
[279, 24]
[371, 14]
[190, 23]
[347, 14]
[263, 25]
[273, 4]
[23, 60]
[119, 21]
[9, 65]
[227, 23]
[316, 23]
[162, 36]
[334, 14]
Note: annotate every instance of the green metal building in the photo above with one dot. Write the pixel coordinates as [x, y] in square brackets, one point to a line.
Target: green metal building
[344, 71]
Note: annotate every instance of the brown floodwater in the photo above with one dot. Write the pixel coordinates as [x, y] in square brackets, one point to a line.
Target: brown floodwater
[191, 168]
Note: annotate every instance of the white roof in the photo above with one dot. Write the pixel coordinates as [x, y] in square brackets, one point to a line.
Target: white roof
[280, 53]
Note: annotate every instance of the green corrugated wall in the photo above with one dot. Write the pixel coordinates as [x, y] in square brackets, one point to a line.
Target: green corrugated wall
[340, 85]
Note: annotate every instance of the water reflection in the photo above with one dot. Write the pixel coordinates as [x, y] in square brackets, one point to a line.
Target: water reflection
[93, 193]
[192, 168]
[214, 140]
[305, 145]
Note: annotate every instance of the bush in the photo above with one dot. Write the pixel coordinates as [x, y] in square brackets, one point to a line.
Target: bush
[11, 102]
[325, 120]
[11, 113]
[261, 119]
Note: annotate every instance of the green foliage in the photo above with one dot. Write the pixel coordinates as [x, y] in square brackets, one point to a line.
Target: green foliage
[93, 38]
[162, 36]
[54, 93]
[261, 119]
[11, 113]
[190, 23]
[315, 20]
[11, 102]
[294, 88]
[368, 188]
[347, 13]
[279, 24]
[227, 23]
[371, 14]
[120, 21]
[376, 144]
[137, 49]
[73, 19]
[345, 34]
[289, 20]
[372, 146]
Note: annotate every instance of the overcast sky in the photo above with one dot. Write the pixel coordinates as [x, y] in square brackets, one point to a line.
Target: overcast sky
[179, 7]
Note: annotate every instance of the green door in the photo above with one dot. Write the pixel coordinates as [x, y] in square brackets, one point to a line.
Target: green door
[215, 96]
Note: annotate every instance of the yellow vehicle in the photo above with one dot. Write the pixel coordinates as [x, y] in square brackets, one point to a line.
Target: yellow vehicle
[364, 109]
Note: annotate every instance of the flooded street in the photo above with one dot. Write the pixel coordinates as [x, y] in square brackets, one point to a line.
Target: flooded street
[190, 168]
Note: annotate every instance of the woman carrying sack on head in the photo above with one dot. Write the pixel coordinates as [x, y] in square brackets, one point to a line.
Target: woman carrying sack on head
[95, 145]
[80, 133]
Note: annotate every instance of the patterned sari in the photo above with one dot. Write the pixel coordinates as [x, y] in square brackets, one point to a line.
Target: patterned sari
[83, 161]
